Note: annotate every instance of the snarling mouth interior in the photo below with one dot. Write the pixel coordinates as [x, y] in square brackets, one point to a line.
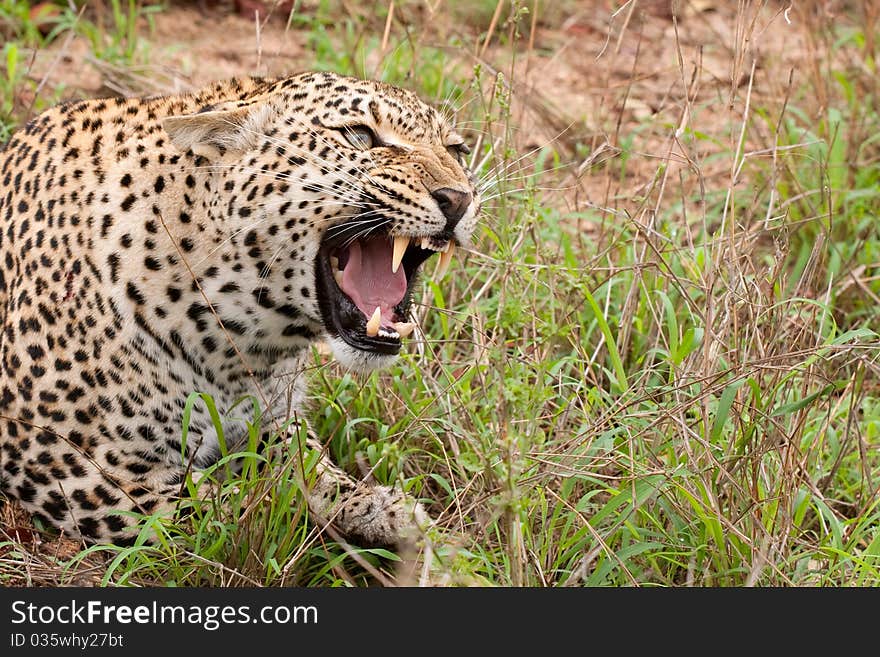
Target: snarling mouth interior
[365, 286]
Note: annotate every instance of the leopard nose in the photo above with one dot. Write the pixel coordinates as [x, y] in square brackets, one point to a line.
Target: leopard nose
[453, 204]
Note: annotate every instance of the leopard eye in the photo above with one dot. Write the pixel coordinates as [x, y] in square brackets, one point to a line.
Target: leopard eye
[458, 151]
[360, 136]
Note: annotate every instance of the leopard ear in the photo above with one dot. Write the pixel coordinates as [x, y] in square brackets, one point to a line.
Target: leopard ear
[217, 129]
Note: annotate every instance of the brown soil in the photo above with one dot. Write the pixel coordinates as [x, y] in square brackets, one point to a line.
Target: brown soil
[642, 80]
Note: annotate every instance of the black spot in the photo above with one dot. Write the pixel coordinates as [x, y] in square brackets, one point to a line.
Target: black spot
[74, 394]
[287, 310]
[135, 294]
[114, 523]
[293, 329]
[26, 491]
[105, 496]
[82, 499]
[106, 224]
[261, 295]
[57, 508]
[196, 310]
[113, 261]
[137, 468]
[234, 326]
[89, 527]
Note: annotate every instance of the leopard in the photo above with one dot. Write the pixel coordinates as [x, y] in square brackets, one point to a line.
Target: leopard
[154, 247]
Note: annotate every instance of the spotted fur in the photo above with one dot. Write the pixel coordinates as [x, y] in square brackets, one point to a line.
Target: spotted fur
[152, 247]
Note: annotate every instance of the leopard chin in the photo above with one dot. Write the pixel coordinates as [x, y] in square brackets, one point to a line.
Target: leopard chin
[359, 360]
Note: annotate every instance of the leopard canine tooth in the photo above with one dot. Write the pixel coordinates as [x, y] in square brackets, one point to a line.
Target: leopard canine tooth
[400, 245]
[337, 275]
[445, 259]
[375, 321]
[334, 262]
[404, 329]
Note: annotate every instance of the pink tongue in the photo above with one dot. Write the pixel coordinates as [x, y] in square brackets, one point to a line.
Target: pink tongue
[368, 281]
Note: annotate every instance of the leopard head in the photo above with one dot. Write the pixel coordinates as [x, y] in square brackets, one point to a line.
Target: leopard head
[343, 189]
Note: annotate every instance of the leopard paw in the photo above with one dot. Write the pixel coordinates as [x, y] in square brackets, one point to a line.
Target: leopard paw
[375, 516]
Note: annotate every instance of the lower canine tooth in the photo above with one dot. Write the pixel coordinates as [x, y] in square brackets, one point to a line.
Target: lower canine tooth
[404, 329]
[445, 259]
[375, 321]
[337, 275]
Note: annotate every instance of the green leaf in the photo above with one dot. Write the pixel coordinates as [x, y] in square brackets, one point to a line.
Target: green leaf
[11, 61]
[692, 339]
[794, 407]
[671, 322]
[619, 379]
[723, 410]
[855, 334]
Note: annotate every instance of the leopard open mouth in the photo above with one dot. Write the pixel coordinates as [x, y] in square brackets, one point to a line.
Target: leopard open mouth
[365, 286]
